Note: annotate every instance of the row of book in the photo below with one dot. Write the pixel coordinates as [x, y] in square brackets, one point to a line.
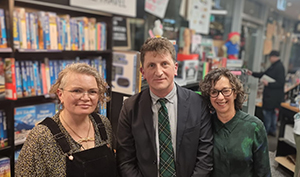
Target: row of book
[47, 30]
[4, 167]
[33, 78]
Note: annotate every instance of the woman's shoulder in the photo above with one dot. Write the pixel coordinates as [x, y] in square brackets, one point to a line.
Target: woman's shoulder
[250, 119]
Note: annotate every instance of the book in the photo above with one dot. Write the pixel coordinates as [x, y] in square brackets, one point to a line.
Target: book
[3, 129]
[3, 39]
[5, 167]
[24, 121]
[53, 35]
[19, 87]
[25, 89]
[10, 79]
[29, 116]
[22, 27]
[2, 80]
[16, 29]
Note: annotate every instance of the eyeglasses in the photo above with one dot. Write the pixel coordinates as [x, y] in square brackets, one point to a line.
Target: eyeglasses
[79, 93]
[226, 92]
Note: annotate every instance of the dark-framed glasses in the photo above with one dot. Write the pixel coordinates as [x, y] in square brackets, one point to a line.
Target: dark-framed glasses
[226, 92]
[79, 93]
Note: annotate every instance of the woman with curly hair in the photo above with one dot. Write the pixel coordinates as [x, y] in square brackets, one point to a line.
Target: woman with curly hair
[240, 139]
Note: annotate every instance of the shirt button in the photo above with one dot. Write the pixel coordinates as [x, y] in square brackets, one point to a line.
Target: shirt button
[154, 162]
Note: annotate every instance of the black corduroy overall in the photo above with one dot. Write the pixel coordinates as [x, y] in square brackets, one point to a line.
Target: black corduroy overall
[95, 162]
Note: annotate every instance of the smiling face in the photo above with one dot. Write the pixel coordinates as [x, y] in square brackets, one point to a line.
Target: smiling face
[83, 105]
[159, 71]
[223, 105]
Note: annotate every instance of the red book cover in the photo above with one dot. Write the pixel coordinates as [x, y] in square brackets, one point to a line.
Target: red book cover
[10, 79]
[44, 78]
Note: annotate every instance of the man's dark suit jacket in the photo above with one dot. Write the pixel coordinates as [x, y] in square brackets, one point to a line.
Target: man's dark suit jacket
[137, 153]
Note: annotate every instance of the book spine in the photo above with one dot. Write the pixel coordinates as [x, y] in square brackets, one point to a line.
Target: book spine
[10, 79]
[28, 31]
[19, 87]
[16, 29]
[24, 80]
[3, 39]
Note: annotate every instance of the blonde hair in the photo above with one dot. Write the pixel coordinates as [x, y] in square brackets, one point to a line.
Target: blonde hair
[82, 68]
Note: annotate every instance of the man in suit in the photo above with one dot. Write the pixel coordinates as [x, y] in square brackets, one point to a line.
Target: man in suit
[140, 148]
[273, 93]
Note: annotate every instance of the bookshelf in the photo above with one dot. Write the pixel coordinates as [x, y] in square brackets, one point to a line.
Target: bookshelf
[59, 7]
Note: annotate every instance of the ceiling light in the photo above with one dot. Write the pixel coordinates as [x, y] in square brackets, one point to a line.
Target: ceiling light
[289, 4]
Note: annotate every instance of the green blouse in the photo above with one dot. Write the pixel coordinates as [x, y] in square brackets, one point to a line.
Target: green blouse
[240, 147]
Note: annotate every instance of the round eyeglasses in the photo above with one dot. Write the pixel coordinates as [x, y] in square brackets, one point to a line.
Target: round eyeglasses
[226, 92]
[79, 93]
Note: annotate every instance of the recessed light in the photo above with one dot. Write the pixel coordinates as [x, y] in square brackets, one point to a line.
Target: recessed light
[289, 4]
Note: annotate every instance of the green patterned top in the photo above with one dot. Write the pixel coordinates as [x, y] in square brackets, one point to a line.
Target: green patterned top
[240, 147]
[42, 156]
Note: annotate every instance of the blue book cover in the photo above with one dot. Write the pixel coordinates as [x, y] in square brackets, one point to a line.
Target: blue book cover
[46, 32]
[17, 153]
[51, 72]
[44, 110]
[30, 77]
[56, 69]
[60, 33]
[103, 36]
[3, 130]
[37, 79]
[28, 30]
[33, 30]
[3, 40]
[24, 80]
[19, 86]
[25, 118]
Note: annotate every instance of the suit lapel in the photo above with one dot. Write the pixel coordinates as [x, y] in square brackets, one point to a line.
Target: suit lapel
[145, 113]
[182, 115]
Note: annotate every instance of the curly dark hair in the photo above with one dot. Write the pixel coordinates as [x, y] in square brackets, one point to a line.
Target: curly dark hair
[159, 46]
[208, 83]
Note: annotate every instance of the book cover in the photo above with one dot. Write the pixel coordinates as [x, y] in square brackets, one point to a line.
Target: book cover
[30, 78]
[3, 130]
[37, 80]
[66, 30]
[53, 35]
[28, 31]
[2, 80]
[19, 85]
[10, 79]
[43, 78]
[98, 36]
[25, 118]
[40, 32]
[3, 39]
[22, 27]
[47, 74]
[59, 33]
[33, 30]
[16, 29]
[103, 36]
[24, 80]
[4, 167]
[92, 33]
[43, 111]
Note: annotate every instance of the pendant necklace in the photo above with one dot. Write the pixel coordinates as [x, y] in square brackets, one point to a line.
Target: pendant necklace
[81, 139]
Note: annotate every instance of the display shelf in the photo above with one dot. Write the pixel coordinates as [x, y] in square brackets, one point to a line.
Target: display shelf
[285, 162]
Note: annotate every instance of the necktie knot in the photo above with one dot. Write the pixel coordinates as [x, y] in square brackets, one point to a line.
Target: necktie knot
[162, 101]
